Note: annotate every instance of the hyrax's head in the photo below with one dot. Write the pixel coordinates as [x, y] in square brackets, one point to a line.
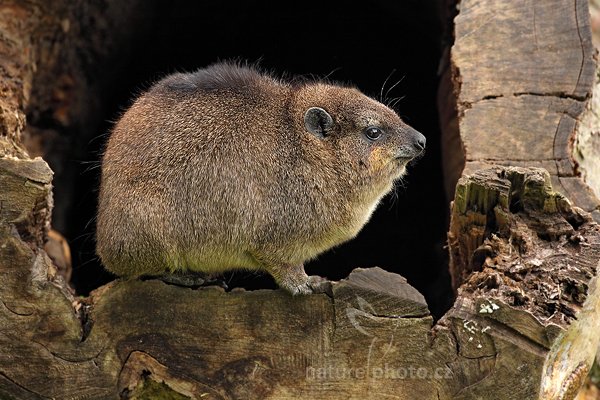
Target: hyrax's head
[360, 132]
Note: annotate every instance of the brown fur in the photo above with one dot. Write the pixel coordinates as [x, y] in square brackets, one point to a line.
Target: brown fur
[216, 170]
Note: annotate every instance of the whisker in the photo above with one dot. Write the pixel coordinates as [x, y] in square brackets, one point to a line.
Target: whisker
[394, 196]
[417, 158]
[100, 136]
[396, 101]
[83, 264]
[85, 236]
[394, 85]
[384, 83]
[393, 99]
[326, 77]
[92, 220]
[91, 168]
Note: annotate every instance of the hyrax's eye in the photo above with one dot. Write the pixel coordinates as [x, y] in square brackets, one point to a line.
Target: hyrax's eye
[373, 133]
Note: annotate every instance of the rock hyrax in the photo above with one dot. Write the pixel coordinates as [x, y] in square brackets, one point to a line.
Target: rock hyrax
[228, 168]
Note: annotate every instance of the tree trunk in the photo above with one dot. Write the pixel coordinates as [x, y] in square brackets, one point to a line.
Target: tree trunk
[524, 259]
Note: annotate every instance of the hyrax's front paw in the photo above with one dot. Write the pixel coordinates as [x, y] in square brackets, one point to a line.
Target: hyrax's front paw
[312, 284]
[292, 278]
[300, 289]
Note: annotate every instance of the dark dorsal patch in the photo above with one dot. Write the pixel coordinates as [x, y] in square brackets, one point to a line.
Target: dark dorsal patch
[220, 76]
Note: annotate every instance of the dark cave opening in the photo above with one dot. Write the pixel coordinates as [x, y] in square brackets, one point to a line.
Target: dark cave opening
[397, 41]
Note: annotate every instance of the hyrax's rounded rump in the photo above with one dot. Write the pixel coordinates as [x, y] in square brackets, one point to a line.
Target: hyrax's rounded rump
[229, 168]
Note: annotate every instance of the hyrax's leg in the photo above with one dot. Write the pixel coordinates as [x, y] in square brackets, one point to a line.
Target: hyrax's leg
[290, 277]
[293, 278]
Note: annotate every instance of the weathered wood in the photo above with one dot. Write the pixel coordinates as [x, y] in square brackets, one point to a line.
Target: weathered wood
[586, 148]
[16, 75]
[524, 304]
[522, 75]
[514, 48]
[534, 264]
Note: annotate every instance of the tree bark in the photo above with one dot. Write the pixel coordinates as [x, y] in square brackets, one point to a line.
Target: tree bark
[519, 76]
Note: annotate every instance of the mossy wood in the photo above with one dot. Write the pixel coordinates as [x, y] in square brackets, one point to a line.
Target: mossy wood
[523, 258]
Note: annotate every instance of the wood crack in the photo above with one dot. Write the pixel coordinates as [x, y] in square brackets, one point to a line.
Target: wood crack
[582, 50]
[15, 312]
[560, 95]
[484, 159]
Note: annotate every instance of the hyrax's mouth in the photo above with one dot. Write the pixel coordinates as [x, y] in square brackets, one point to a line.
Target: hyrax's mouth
[398, 166]
[413, 158]
[402, 161]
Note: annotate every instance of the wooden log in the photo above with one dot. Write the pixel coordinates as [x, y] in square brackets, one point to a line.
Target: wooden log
[16, 75]
[525, 313]
[523, 102]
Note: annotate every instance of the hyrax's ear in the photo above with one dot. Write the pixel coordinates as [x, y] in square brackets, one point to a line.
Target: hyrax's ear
[318, 121]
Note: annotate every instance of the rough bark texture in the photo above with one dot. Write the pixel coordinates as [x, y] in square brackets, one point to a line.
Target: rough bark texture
[524, 84]
[524, 260]
[587, 143]
[77, 49]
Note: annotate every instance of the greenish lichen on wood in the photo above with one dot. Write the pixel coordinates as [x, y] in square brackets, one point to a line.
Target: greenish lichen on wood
[152, 390]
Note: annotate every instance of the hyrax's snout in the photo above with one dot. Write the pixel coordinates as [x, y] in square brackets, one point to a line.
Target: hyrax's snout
[419, 140]
[413, 143]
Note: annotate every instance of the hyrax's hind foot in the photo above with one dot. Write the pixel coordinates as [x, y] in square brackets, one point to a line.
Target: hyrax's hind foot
[191, 279]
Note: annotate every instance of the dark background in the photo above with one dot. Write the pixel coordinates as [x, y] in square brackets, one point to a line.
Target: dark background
[362, 43]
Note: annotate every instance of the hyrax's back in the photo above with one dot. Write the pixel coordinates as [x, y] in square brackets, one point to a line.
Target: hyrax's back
[228, 168]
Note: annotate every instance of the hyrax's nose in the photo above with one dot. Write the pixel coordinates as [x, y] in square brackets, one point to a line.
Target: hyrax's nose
[420, 143]
[417, 139]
